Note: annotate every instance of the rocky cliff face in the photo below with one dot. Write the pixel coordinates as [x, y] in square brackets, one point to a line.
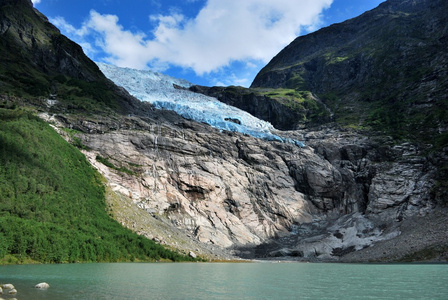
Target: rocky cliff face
[341, 193]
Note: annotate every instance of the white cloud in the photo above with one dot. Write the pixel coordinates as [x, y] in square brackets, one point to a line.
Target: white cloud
[35, 1]
[125, 48]
[250, 31]
[225, 31]
[68, 28]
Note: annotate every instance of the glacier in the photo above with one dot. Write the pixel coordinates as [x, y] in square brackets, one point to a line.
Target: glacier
[160, 91]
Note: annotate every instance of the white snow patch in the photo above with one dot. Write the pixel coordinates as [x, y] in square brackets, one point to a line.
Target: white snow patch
[159, 90]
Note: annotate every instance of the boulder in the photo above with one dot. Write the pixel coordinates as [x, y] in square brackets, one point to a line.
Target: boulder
[7, 286]
[12, 291]
[42, 285]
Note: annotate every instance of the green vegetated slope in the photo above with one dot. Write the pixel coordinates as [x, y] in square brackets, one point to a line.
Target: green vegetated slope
[52, 202]
[302, 103]
[384, 70]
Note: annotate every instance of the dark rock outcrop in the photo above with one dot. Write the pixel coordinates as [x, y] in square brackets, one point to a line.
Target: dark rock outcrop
[259, 105]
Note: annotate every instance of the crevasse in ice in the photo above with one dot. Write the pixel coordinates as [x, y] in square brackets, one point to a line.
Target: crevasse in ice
[159, 90]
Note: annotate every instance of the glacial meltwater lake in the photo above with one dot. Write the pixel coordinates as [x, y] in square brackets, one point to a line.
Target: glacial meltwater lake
[264, 280]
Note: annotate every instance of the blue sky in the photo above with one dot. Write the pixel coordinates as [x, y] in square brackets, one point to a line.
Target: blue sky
[208, 42]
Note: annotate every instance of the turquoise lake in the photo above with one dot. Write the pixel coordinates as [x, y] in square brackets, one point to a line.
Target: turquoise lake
[228, 281]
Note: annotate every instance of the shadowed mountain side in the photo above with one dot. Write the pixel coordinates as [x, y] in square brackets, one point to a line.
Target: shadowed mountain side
[384, 70]
[37, 61]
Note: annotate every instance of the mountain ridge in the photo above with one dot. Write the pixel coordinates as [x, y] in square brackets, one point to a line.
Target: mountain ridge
[38, 61]
[382, 70]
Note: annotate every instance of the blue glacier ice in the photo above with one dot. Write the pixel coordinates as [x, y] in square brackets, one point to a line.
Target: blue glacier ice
[159, 90]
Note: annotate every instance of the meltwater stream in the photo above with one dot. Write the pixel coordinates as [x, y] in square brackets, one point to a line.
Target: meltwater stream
[228, 281]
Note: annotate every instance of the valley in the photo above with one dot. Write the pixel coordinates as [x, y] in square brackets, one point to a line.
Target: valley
[336, 153]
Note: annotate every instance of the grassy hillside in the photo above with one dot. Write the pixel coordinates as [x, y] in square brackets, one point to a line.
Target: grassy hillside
[52, 202]
[307, 109]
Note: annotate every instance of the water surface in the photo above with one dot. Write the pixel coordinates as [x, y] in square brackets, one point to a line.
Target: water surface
[229, 281]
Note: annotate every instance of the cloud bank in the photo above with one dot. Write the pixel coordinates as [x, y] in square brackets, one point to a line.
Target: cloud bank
[223, 32]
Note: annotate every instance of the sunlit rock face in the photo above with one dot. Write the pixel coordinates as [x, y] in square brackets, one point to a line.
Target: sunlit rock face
[223, 188]
[236, 191]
